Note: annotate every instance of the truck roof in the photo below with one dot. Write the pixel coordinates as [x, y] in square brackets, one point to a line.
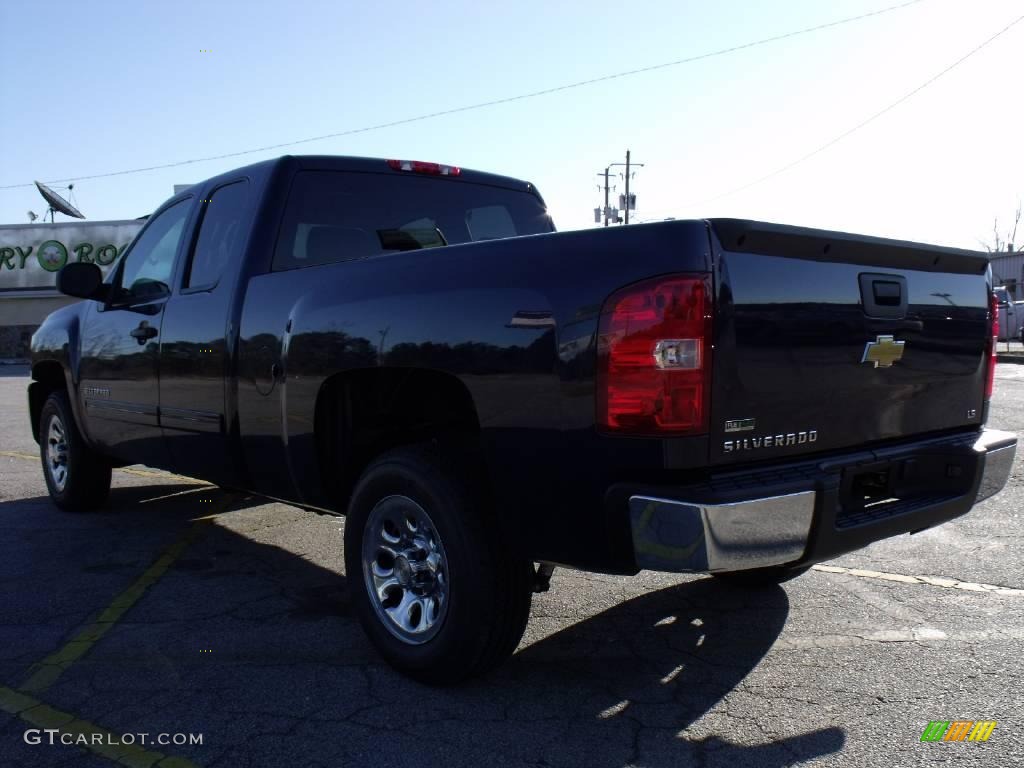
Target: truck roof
[365, 165]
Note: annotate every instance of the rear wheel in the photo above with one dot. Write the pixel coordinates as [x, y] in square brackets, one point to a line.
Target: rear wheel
[760, 577]
[438, 590]
[77, 478]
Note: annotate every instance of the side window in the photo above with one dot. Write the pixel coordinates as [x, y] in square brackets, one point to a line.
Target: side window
[148, 266]
[220, 234]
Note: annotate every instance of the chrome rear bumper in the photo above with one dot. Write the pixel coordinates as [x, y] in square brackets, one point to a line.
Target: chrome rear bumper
[676, 535]
[998, 450]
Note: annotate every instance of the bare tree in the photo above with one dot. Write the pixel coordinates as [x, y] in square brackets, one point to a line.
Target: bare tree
[999, 244]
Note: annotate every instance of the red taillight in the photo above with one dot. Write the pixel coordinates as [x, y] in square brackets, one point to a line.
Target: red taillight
[417, 166]
[654, 357]
[993, 309]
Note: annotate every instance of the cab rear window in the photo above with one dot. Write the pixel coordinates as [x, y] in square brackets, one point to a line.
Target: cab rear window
[334, 216]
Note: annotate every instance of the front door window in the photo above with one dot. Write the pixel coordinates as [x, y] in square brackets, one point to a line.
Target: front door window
[149, 264]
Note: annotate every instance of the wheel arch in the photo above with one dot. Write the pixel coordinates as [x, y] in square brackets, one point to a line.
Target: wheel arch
[48, 376]
[362, 413]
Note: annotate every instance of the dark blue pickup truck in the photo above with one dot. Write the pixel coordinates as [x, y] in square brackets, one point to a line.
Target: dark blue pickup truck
[413, 346]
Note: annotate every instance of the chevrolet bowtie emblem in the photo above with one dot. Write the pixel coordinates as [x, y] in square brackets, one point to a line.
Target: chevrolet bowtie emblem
[883, 351]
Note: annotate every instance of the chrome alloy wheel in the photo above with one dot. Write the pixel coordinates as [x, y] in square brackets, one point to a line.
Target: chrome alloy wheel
[57, 454]
[405, 569]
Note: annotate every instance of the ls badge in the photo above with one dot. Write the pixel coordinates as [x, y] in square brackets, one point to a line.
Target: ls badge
[883, 351]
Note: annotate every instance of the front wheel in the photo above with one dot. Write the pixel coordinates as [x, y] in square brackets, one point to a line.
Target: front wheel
[77, 477]
[438, 590]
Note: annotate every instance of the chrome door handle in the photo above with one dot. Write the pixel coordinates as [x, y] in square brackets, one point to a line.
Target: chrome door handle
[143, 333]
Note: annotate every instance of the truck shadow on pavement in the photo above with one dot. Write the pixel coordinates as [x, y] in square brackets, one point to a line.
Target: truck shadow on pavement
[253, 645]
[656, 665]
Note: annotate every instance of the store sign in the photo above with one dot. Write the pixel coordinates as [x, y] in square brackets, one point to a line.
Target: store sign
[32, 254]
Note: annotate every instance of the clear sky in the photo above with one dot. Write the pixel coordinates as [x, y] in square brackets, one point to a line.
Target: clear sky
[89, 88]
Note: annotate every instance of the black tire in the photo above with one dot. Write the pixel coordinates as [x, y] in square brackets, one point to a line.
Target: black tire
[760, 577]
[85, 482]
[486, 586]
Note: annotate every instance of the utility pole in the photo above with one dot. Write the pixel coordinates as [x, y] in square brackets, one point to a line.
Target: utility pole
[628, 165]
[380, 348]
[627, 186]
[605, 210]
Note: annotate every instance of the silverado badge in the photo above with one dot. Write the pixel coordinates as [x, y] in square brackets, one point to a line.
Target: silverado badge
[883, 351]
[770, 441]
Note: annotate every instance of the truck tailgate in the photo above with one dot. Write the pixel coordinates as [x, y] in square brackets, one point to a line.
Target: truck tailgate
[825, 340]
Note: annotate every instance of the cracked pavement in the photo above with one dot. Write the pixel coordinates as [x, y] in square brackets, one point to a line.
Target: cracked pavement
[247, 639]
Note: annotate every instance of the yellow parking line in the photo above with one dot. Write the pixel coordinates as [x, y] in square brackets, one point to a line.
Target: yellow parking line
[932, 581]
[45, 673]
[84, 734]
[19, 455]
[126, 470]
[161, 475]
[176, 495]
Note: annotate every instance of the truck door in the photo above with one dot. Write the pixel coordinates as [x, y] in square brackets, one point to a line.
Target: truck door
[194, 353]
[120, 342]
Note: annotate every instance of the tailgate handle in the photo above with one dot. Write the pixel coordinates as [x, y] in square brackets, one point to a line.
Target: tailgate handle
[887, 293]
[883, 295]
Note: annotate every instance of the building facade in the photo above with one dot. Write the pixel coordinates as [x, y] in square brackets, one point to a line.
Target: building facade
[1008, 270]
[30, 257]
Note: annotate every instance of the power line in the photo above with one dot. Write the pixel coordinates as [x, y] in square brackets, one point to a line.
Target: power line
[495, 102]
[861, 124]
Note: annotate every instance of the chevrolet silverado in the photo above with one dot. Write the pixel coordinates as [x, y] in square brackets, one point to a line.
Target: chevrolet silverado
[413, 346]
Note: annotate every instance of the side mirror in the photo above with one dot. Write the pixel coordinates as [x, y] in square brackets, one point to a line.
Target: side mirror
[82, 280]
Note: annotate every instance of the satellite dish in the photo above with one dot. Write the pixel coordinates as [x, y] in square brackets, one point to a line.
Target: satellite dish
[32, 216]
[57, 203]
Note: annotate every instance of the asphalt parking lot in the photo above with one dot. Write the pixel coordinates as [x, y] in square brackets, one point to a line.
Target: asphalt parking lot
[181, 609]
